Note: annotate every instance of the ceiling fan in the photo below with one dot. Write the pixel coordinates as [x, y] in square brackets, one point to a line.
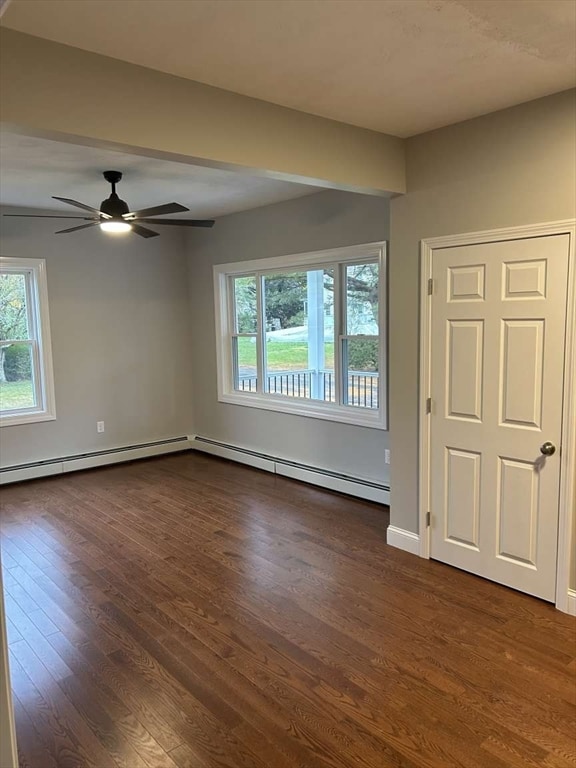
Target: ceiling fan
[114, 214]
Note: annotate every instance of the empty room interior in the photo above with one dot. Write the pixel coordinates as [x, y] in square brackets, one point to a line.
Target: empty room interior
[287, 383]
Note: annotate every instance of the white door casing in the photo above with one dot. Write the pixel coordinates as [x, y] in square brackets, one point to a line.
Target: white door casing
[493, 362]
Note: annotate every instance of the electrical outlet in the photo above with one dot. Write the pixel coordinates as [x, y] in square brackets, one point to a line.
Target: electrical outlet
[100, 426]
[386, 456]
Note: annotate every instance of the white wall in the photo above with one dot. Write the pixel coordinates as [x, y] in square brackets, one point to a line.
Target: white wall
[320, 221]
[119, 316]
[513, 167]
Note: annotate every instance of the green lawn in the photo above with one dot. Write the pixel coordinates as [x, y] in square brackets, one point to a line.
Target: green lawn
[281, 355]
[16, 394]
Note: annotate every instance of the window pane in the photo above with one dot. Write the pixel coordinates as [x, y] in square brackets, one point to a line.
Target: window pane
[13, 312]
[245, 304]
[16, 381]
[362, 299]
[244, 353]
[360, 357]
[299, 316]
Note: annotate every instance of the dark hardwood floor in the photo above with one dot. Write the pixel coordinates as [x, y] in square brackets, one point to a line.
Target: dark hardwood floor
[186, 612]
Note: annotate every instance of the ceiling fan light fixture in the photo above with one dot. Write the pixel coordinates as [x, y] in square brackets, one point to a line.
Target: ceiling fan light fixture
[115, 226]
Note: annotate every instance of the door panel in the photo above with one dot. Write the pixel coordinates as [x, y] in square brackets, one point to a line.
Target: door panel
[521, 373]
[517, 513]
[524, 279]
[463, 497]
[466, 283]
[464, 375]
[497, 357]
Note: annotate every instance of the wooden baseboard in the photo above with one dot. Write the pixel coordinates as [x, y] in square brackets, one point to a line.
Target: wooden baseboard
[401, 539]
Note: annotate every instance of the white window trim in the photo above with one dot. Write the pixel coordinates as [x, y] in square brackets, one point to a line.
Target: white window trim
[46, 409]
[377, 418]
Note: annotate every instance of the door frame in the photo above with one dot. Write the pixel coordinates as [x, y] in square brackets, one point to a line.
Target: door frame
[565, 598]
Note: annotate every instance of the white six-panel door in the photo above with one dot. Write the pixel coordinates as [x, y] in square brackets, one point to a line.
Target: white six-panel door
[497, 355]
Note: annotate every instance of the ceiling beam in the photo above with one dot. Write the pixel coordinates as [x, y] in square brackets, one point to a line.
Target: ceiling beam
[64, 93]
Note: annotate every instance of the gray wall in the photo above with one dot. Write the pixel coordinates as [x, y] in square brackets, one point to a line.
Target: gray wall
[320, 221]
[119, 317]
[513, 167]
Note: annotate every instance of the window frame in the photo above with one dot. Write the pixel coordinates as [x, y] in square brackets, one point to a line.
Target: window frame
[337, 258]
[38, 339]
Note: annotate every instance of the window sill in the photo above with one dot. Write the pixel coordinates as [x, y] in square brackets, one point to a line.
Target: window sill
[371, 418]
[31, 417]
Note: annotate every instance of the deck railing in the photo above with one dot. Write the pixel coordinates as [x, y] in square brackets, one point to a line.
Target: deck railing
[363, 386]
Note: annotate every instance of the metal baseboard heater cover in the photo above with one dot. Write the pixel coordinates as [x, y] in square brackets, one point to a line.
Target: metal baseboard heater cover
[89, 459]
[335, 481]
[338, 481]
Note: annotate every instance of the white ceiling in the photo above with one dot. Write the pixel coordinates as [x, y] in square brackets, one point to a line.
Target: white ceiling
[35, 169]
[397, 66]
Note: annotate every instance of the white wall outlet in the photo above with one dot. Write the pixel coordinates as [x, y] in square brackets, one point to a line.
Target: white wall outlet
[100, 426]
[386, 456]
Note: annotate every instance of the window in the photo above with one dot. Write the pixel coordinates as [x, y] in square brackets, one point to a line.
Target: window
[305, 334]
[26, 385]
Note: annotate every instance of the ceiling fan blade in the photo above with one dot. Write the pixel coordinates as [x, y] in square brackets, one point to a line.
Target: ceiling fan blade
[47, 216]
[158, 210]
[142, 231]
[181, 222]
[76, 204]
[75, 229]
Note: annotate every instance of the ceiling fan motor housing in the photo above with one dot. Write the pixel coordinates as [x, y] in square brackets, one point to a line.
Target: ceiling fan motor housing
[113, 205]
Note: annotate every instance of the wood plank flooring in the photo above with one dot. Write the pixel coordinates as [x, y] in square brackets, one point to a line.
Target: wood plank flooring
[186, 612]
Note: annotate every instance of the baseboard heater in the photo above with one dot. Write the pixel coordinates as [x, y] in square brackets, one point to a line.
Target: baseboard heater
[334, 481]
[57, 466]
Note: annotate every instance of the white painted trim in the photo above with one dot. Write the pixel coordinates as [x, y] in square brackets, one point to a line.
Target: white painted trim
[564, 597]
[45, 340]
[222, 312]
[571, 602]
[307, 259]
[567, 503]
[353, 486]
[424, 393]
[374, 419]
[87, 461]
[564, 226]
[314, 409]
[401, 539]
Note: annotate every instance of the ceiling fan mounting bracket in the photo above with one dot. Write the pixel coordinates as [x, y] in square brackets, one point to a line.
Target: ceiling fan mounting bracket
[113, 177]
